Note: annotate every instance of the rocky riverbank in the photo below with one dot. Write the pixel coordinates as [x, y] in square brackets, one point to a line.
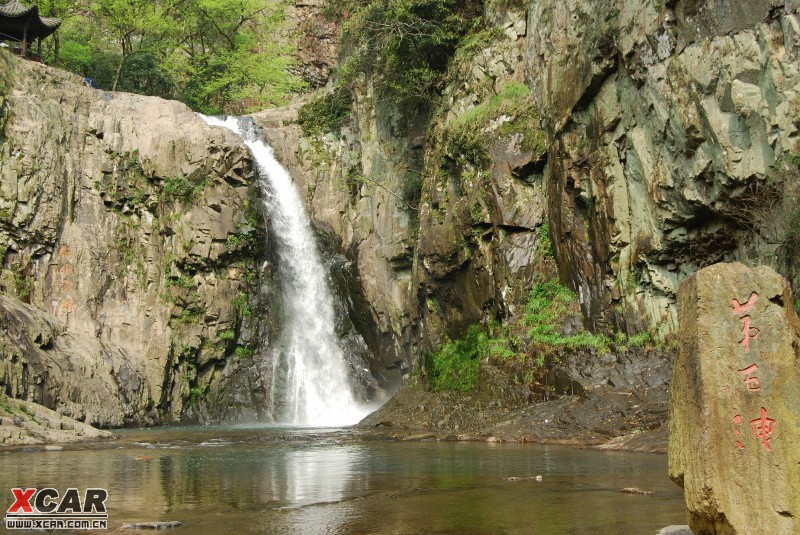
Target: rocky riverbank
[24, 423]
[620, 402]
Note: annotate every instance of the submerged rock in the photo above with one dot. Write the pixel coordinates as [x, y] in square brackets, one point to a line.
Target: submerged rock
[152, 525]
[675, 530]
[637, 490]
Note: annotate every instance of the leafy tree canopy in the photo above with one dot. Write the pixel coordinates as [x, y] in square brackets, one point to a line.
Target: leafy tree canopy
[217, 56]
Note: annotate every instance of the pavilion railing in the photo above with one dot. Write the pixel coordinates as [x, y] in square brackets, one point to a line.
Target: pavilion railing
[16, 47]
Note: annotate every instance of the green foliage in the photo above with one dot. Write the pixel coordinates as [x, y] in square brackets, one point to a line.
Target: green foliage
[6, 405]
[469, 134]
[243, 352]
[180, 188]
[187, 316]
[240, 241]
[785, 208]
[495, 5]
[475, 42]
[544, 245]
[792, 195]
[23, 284]
[639, 339]
[530, 342]
[502, 343]
[411, 188]
[145, 75]
[196, 393]
[549, 303]
[404, 45]
[5, 86]
[797, 305]
[185, 352]
[236, 61]
[227, 334]
[127, 252]
[214, 55]
[181, 281]
[455, 365]
[325, 113]
[32, 415]
[241, 304]
[77, 57]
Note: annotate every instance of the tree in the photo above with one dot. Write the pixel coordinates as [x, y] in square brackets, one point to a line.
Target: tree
[60, 9]
[130, 22]
[406, 44]
[214, 55]
[228, 57]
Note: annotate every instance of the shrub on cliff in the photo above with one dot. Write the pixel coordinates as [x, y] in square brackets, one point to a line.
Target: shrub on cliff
[325, 113]
[530, 341]
[549, 304]
[405, 46]
[508, 113]
[455, 365]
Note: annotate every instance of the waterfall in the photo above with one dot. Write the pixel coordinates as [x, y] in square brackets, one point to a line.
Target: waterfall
[316, 389]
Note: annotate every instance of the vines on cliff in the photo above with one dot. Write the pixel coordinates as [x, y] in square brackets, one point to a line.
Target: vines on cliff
[509, 113]
[404, 50]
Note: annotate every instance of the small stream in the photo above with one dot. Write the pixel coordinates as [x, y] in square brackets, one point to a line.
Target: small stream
[290, 481]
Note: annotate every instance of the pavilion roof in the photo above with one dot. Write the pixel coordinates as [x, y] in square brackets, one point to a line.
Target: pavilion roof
[14, 17]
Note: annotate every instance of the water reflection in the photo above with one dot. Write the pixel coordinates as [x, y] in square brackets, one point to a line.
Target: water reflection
[271, 482]
[319, 475]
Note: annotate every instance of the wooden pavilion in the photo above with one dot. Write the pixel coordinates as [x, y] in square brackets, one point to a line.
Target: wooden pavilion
[24, 25]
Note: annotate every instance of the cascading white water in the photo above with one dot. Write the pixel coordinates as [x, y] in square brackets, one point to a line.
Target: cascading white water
[316, 390]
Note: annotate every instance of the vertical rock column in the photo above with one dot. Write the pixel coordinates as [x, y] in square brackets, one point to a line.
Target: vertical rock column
[734, 442]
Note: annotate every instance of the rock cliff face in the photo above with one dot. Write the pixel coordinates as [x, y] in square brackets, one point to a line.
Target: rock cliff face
[672, 132]
[435, 246]
[621, 145]
[650, 139]
[130, 246]
[316, 38]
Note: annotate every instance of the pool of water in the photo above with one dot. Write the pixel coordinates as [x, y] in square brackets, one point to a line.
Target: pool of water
[219, 480]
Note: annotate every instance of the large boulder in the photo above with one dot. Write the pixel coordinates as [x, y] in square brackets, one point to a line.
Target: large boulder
[735, 399]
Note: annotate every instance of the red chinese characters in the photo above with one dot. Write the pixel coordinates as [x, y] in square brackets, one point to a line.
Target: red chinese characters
[752, 382]
[739, 308]
[738, 421]
[762, 428]
[748, 332]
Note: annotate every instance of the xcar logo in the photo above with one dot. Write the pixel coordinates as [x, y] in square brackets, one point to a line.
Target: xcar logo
[47, 509]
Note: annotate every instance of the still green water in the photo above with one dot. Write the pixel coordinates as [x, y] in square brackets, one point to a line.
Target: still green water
[219, 480]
